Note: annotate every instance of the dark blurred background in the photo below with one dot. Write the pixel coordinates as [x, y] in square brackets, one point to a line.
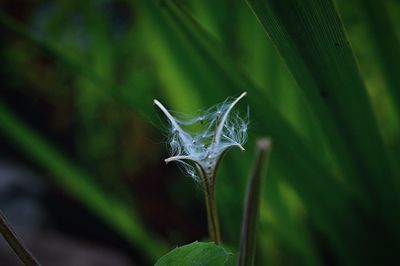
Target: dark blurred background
[82, 176]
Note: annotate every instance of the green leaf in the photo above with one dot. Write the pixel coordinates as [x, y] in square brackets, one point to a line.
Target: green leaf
[379, 51]
[195, 254]
[311, 40]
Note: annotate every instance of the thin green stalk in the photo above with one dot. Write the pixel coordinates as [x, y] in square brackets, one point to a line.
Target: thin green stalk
[212, 214]
[252, 203]
[20, 250]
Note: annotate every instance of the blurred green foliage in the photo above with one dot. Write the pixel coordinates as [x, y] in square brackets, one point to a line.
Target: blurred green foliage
[81, 75]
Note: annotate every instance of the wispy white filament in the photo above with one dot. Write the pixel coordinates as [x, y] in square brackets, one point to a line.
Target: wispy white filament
[220, 129]
[222, 123]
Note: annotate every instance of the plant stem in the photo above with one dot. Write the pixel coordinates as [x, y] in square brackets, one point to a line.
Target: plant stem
[252, 202]
[212, 215]
[22, 252]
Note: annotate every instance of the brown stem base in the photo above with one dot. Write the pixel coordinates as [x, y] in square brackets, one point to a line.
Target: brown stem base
[212, 215]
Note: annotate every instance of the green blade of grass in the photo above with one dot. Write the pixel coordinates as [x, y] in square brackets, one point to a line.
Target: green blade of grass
[386, 43]
[385, 50]
[310, 38]
[111, 209]
[363, 41]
